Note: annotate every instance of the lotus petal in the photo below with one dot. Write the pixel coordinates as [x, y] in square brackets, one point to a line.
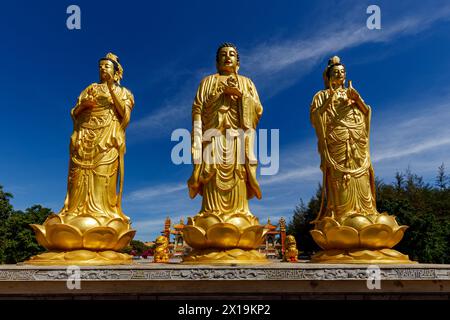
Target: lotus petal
[119, 225]
[241, 256]
[84, 223]
[64, 237]
[223, 235]
[364, 254]
[100, 238]
[207, 220]
[319, 238]
[326, 223]
[111, 255]
[373, 217]
[239, 220]
[49, 256]
[40, 236]
[394, 254]
[190, 221]
[387, 220]
[124, 240]
[342, 238]
[357, 221]
[194, 237]
[330, 255]
[396, 236]
[251, 238]
[53, 219]
[81, 255]
[375, 236]
[265, 232]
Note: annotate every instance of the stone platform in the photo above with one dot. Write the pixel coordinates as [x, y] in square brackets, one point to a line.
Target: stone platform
[276, 281]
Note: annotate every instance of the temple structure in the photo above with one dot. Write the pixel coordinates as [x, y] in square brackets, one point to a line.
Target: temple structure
[273, 246]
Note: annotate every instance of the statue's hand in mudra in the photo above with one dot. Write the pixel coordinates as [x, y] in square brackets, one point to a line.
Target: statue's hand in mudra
[332, 96]
[352, 94]
[109, 80]
[90, 99]
[232, 82]
[232, 91]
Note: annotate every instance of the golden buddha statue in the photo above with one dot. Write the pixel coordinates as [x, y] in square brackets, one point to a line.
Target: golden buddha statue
[225, 113]
[348, 226]
[91, 227]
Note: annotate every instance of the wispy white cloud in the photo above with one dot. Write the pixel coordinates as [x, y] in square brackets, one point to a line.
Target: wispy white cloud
[278, 64]
[148, 230]
[151, 192]
[174, 111]
[419, 147]
[149, 206]
[154, 224]
[157, 121]
[405, 132]
[290, 175]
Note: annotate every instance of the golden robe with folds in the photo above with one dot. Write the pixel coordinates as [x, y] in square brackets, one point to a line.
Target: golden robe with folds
[97, 148]
[343, 143]
[226, 185]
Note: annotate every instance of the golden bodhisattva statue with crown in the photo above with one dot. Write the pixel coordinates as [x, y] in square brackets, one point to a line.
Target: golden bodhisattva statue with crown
[91, 228]
[225, 113]
[348, 227]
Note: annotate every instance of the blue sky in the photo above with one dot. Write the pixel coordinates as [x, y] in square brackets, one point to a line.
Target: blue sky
[402, 71]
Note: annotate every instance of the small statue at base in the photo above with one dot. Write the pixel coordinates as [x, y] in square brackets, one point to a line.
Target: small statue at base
[161, 250]
[291, 253]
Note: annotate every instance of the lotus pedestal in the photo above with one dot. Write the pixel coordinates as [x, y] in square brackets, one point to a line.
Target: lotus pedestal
[359, 239]
[82, 240]
[224, 239]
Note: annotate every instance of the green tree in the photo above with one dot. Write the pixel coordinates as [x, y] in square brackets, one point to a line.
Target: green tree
[442, 180]
[6, 209]
[137, 246]
[425, 209]
[300, 224]
[19, 242]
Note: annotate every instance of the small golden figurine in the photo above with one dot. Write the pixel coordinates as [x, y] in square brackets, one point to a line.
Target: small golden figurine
[224, 231]
[161, 253]
[348, 227]
[91, 227]
[291, 253]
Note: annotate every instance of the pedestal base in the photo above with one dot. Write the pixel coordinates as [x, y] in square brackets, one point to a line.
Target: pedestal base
[81, 258]
[145, 280]
[225, 257]
[361, 256]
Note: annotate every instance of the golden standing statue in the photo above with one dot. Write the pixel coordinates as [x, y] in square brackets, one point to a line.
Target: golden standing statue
[348, 227]
[91, 226]
[225, 113]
